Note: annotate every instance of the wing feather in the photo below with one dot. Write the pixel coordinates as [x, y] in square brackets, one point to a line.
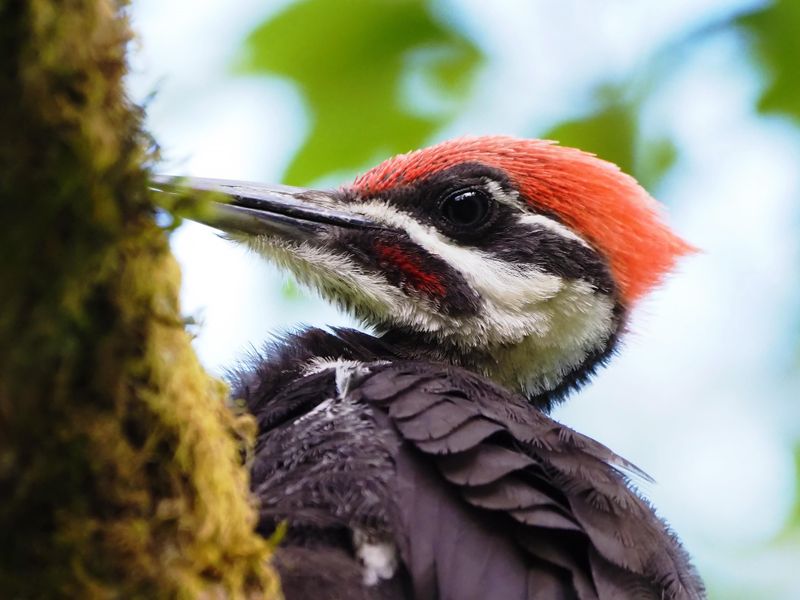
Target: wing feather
[578, 528]
[461, 438]
[482, 464]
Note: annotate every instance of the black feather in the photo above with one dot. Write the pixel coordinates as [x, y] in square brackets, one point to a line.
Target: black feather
[482, 494]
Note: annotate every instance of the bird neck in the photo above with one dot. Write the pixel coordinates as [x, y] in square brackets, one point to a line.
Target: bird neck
[544, 371]
[518, 367]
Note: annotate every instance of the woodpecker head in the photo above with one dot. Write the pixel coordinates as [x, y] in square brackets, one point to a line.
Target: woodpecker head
[516, 258]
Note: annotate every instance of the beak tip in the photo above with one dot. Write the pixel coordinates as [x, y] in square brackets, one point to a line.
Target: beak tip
[258, 209]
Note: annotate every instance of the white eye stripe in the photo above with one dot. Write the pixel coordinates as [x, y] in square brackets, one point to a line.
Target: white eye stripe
[495, 280]
[510, 197]
[554, 226]
[387, 214]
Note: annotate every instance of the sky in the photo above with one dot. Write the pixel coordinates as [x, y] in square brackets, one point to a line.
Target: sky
[702, 394]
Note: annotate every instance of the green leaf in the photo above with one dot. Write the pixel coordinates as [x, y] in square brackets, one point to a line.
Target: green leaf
[291, 291]
[775, 32]
[353, 62]
[792, 526]
[612, 132]
[654, 160]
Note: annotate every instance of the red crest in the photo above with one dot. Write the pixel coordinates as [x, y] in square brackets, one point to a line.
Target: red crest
[592, 196]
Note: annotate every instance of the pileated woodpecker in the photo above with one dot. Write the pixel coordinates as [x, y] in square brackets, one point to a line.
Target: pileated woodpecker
[419, 461]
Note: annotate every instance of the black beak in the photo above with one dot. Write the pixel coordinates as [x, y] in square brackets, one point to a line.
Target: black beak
[258, 209]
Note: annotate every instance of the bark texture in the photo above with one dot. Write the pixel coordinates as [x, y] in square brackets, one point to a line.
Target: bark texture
[120, 464]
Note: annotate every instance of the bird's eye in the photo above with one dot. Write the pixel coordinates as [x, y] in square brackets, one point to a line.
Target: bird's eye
[466, 208]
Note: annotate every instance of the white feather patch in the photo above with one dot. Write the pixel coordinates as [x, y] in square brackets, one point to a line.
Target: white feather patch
[379, 558]
[554, 226]
[348, 372]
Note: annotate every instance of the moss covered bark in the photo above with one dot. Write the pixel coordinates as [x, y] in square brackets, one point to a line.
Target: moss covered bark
[120, 470]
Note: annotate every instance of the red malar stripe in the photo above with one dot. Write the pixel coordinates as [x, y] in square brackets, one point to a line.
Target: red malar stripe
[416, 276]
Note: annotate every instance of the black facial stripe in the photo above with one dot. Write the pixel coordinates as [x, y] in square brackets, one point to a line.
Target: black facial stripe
[421, 198]
[553, 253]
[504, 236]
[450, 293]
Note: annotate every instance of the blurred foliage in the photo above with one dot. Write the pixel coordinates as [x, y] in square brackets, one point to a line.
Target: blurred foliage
[354, 62]
[612, 132]
[775, 31]
[791, 528]
[775, 34]
[609, 132]
[292, 291]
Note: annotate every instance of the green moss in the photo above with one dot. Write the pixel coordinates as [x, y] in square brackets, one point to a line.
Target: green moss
[120, 470]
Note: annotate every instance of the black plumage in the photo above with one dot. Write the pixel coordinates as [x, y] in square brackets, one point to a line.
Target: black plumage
[482, 495]
[420, 464]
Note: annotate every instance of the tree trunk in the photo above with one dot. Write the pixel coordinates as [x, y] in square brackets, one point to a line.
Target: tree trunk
[120, 465]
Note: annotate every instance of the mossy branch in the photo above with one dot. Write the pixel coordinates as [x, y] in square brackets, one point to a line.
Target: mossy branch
[120, 470]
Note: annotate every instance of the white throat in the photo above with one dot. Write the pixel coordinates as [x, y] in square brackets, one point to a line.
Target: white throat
[533, 328]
